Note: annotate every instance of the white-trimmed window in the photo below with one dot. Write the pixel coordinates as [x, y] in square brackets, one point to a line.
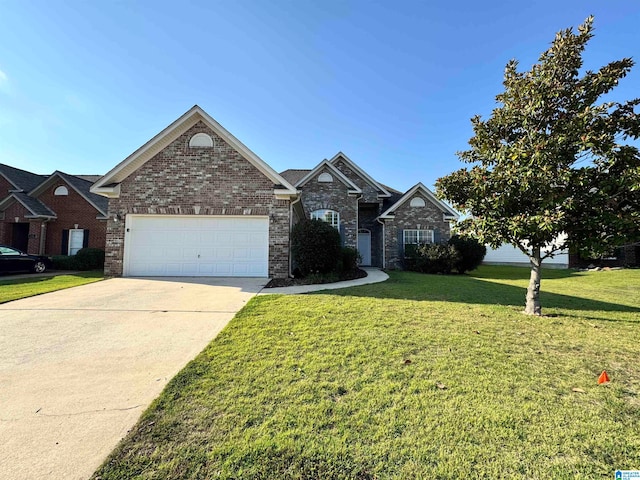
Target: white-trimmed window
[417, 237]
[76, 240]
[330, 216]
[201, 140]
[61, 190]
[325, 178]
[417, 202]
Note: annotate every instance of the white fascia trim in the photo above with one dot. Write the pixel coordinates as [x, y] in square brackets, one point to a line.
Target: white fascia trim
[285, 195]
[429, 194]
[364, 175]
[169, 134]
[48, 217]
[109, 192]
[353, 188]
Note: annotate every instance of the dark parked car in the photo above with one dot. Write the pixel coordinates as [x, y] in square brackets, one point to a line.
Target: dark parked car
[14, 260]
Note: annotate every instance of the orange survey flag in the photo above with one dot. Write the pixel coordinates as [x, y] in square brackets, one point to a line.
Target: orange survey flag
[603, 378]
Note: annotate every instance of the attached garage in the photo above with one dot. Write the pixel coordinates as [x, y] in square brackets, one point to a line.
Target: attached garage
[196, 246]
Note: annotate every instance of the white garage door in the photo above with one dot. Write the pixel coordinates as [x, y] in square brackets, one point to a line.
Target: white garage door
[196, 246]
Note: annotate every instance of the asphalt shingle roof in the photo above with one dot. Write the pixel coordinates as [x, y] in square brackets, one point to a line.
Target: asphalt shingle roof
[294, 175]
[21, 178]
[34, 205]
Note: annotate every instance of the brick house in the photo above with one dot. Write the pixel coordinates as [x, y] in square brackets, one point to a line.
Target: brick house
[195, 201]
[50, 214]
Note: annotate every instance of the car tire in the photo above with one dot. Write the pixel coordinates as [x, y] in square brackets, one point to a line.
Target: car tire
[39, 267]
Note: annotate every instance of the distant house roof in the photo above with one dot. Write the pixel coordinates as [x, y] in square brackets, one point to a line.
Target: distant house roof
[80, 185]
[294, 175]
[21, 179]
[90, 178]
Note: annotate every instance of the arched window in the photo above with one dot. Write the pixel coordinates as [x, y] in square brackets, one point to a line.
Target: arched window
[330, 216]
[417, 202]
[61, 190]
[201, 140]
[325, 178]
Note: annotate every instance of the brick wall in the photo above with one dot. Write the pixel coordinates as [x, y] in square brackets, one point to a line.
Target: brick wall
[428, 217]
[369, 193]
[333, 196]
[16, 210]
[5, 186]
[181, 180]
[71, 210]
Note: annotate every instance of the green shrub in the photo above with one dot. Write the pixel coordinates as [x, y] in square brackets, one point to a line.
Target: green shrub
[471, 252]
[64, 262]
[315, 247]
[85, 259]
[432, 258]
[90, 258]
[349, 258]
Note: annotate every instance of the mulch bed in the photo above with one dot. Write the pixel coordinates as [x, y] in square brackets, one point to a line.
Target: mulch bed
[290, 282]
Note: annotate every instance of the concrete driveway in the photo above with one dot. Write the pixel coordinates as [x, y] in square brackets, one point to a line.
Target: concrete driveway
[79, 366]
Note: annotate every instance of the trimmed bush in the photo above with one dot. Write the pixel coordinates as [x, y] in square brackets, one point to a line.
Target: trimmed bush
[432, 258]
[471, 252]
[64, 262]
[90, 258]
[349, 258]
[85, 259]
[315, 247]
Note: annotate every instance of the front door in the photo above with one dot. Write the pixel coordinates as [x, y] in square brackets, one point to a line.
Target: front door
[20, 236]
[364, 246]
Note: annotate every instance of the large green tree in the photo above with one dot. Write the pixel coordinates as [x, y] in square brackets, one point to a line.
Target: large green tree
[555, 165]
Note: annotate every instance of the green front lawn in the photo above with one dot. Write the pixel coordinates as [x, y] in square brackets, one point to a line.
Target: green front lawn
[28, 287]
[420, 377]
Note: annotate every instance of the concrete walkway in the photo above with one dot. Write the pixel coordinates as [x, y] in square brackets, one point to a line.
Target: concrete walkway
[79, 366]
[374, 275]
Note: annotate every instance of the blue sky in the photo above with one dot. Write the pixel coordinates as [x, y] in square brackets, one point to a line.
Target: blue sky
[392, 84]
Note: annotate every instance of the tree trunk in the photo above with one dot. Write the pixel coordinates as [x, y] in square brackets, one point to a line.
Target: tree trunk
[533, 306]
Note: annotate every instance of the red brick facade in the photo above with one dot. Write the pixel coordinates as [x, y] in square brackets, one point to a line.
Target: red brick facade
[70, 210]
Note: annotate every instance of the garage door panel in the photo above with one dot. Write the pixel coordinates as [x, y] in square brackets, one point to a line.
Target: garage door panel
[196, 246]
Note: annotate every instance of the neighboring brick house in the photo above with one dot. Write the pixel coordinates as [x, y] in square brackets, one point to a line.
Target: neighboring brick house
[50, 214]
[195, 201]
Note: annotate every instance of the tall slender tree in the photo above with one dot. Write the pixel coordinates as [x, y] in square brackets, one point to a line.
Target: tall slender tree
[555, 165]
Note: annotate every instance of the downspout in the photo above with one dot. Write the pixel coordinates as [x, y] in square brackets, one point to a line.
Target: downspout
[358, 217]
[291, 204]
[384, 244]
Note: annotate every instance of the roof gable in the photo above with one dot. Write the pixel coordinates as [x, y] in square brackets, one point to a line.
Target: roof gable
[383, 192]
[108, 184]
[353, 188]
[81, 186]
[449, 212]
[32, 204]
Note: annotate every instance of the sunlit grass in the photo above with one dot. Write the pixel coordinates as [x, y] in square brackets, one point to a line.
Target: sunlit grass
[28, 287]
[419, 377]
